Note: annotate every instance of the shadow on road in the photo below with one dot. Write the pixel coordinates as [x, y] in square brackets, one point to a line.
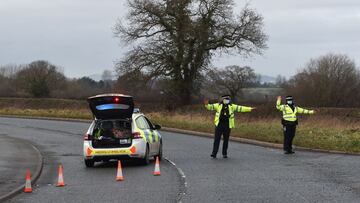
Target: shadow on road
[124, 163]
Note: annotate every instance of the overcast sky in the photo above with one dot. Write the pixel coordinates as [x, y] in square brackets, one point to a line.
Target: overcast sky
[77, 34]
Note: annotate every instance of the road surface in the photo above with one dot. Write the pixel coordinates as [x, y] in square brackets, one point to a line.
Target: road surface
[250, 174]
[16, 155]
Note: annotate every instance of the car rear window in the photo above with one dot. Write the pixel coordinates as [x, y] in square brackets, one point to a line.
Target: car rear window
[112, 106]
[112, 128]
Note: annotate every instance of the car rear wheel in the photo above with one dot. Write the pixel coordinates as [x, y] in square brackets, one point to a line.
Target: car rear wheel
[145, 160]
[89, 163]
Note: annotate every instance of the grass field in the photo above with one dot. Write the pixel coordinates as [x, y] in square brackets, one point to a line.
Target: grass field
[52, 113]
[323, 131]
[320, 133]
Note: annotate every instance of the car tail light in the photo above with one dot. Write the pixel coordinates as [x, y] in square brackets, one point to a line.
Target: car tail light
[87, 137]
[136, 135]
[116, 99]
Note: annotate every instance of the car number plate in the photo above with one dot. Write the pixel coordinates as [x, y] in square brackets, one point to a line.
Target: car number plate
[124, 141]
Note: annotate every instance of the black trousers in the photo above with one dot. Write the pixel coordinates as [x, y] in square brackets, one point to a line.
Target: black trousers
[221, 129]
[289, 134]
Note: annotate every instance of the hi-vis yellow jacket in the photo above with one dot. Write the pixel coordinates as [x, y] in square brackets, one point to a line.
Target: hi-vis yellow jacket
[288, 113]
[232, 108]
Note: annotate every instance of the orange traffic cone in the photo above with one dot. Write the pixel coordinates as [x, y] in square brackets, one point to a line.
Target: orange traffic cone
[28, 188]
[157, 167]
[119, 174]
[61, 177]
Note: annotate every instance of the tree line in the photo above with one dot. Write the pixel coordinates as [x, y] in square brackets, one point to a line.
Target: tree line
[332, 80]
[42, 79]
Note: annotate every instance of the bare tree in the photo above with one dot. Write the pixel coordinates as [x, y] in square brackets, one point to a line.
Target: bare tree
[7, 78]
[40, 79]
[177, 38]
[107, 79]
[10, 70]
[329, 81]
[107, 75]
[231, 80]
[43, 79]
[133, 83]
[280, 81]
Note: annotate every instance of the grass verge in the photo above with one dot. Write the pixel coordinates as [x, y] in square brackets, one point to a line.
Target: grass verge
[317, 133]
[53, 113]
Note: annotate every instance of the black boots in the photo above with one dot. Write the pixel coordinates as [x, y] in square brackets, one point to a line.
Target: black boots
[289, 152]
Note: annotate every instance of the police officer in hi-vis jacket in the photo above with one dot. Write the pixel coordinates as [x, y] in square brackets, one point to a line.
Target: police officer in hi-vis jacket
[289, 120]
[224, 121]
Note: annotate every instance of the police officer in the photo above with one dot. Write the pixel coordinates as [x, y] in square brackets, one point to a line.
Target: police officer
[224, 121]
[289, 120]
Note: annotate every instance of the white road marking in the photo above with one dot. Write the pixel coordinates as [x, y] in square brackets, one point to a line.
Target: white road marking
[183, 180]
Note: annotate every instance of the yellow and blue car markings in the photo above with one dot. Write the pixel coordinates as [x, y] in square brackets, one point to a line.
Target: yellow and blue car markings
[157, 135]
[143, 135]
[150, 136]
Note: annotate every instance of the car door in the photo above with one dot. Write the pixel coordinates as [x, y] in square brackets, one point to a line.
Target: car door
[155, 136]
[142, 123]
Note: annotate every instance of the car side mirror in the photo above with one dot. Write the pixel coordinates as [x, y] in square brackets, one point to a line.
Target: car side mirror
[157, 127]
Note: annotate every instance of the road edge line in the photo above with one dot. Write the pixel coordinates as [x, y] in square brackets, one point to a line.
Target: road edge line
[35, 176]
[184, 185]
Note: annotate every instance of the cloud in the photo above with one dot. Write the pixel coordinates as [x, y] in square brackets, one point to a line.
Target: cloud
[300, 30]
[77, 34]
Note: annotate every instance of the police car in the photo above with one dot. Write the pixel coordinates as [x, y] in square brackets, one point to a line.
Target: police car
[119, 132]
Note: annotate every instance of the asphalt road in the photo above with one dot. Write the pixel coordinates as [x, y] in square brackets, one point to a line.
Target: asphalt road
[251, 174]
[15, 157]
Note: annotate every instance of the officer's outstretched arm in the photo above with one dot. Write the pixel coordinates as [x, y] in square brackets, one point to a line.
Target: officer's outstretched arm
[238, 108]
[278, 104]
[207, 105]
[304, 111]
[211, 107]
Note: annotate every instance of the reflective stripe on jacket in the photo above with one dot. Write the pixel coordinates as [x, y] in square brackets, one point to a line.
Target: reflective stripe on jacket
[288, 113]
[232, 109]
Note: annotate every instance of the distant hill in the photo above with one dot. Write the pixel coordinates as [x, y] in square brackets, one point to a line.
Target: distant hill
[267, 79]
[97, 77]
